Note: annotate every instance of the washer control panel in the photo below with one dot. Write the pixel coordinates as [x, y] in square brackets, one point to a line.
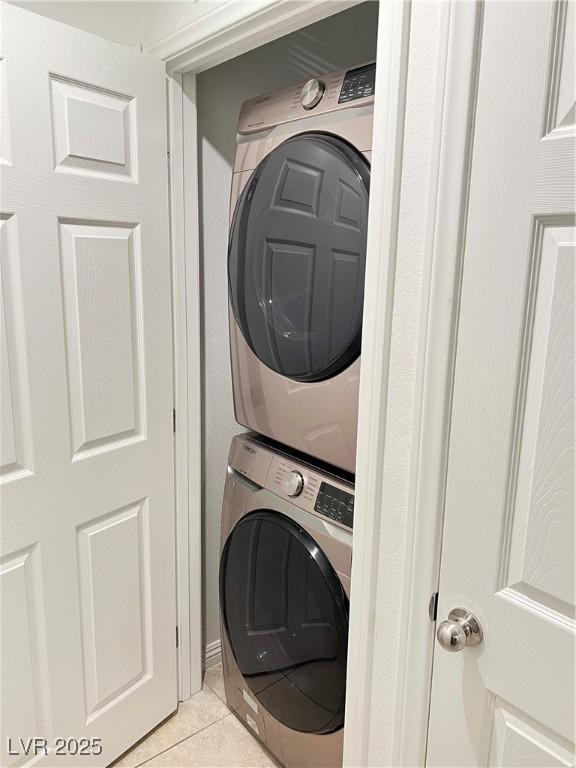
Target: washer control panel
[313, 490]
[336, 504]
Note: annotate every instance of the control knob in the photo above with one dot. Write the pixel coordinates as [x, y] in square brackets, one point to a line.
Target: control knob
[293, 483]
[311, 93]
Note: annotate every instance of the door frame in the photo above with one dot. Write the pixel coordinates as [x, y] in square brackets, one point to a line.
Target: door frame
[227, 30]
[403, 450]
[401, 527]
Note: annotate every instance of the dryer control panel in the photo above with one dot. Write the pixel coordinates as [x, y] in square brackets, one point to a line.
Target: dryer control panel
[358, 83]
[304, 485]
[317, 96]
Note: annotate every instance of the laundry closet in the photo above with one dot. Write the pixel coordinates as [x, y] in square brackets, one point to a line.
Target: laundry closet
[146, 279]
[313, 52]
[339, 42]
[206, 207]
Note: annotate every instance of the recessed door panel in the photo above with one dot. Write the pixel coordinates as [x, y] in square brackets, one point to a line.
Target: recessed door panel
[15, 443]
[101, 278]
[93, 130]
[517, 743]
[115, 604]
[23, 680]
[541, 562]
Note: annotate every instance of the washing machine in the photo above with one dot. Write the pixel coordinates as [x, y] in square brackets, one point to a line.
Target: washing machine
[285, 560]
[296, 262]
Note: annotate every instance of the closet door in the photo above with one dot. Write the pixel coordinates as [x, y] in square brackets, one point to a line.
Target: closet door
[297, 257]
[505, 694]
[87, 519]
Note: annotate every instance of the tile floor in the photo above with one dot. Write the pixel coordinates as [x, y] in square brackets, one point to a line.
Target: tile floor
[202, 733]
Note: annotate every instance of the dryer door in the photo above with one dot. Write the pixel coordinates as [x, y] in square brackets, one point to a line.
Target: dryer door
[286, 617]
[297, 255]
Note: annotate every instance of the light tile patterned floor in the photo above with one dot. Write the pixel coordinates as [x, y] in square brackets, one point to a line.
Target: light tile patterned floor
[202, 733]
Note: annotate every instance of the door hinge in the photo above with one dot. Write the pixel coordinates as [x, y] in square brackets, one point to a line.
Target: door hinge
[177, 638]
[433, 606]
[168, 166]
[174, 420]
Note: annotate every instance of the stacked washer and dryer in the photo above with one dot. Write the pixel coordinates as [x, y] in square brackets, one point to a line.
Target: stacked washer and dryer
[296, 261]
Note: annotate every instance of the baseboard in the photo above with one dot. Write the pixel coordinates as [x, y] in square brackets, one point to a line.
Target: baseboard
[212, 654]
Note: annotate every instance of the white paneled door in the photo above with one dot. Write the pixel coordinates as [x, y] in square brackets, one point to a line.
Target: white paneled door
[87, 573]
[508, 545]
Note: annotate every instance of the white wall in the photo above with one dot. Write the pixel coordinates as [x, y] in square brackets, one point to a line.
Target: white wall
[115, 20]
[138, 24]
[161, 19]
[322, 47]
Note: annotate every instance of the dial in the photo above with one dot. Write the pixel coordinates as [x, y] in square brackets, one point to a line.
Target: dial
[293, 483]
[311, 93]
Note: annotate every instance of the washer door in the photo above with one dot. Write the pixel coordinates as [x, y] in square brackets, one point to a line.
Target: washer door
[296, 257]
[286, 617]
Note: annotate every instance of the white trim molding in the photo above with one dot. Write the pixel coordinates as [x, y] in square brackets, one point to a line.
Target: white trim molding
[190, 224]
[187, 384]
[413, 285]
[228, 29]
[452, 146]
[391, 68]
[212, 654]
[176, 173]
[233, 27]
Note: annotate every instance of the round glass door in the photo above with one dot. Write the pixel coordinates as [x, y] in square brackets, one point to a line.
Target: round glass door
[286, 617]
[296, 257]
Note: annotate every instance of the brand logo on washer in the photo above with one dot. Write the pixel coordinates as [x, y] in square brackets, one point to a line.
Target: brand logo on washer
[248, 448]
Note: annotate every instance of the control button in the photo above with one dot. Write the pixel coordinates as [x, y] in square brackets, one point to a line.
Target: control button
[293, 483]
[311, 93]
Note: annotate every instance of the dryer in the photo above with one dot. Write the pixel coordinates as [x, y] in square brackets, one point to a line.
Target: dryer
[286, 556]
[296, 262]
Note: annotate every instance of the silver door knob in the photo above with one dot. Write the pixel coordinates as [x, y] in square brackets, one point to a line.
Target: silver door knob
[461, 630]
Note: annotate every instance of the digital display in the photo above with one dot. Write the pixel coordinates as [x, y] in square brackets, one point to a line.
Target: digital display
[336, 504]
[358, 83]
